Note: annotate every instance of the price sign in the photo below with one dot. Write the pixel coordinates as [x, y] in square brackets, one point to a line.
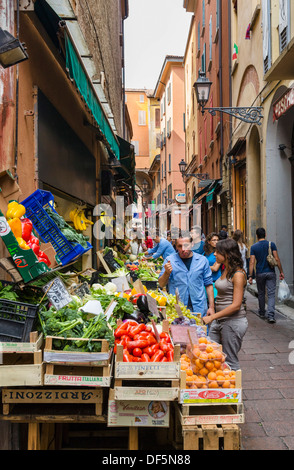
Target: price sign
[57, 293]
[81, 290]
[152, 305]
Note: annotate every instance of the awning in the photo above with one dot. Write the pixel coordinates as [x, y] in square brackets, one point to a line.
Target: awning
[215, 187]
[79, 66]
[202, 192]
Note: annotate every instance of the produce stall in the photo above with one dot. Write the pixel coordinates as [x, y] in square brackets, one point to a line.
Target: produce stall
[104, 341]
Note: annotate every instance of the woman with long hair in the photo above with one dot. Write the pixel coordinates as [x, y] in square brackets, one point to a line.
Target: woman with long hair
[229, 324]
[209, 252]
[239, 238]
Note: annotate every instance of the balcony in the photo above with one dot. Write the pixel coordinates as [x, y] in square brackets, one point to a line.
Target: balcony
[282, 68]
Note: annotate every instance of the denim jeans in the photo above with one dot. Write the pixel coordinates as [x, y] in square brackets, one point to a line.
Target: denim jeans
[266, 282]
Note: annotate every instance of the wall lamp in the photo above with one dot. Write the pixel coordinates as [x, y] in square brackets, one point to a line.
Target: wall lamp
[183, 166]
[12, 51]
[202, 87]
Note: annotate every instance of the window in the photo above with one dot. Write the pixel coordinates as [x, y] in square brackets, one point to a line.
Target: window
[210, 38]
[170, 191]
[169, 128]
[157, 117]
[198, 36]
[203, 13]
[142, 118]
[169, 94]
[169, 163]
[158, 140]
[142, 98]
[135, 143]
[203, 59]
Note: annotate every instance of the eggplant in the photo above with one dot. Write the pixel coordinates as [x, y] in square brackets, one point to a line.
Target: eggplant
[137, 315]
[142, 304]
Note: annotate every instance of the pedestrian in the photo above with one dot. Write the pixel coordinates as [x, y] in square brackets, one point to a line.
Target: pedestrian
[209, 252]
[148, 242]
[265, 274]
[134, 246]
[162, 248]
[239, 238]
[229, 324]
[223, 233]
[190, 273]
[197, 242]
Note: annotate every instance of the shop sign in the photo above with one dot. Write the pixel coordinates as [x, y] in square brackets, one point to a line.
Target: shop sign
[181, 198]
[283, 104]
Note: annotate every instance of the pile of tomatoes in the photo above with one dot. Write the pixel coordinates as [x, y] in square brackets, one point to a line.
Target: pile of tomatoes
[140, 344]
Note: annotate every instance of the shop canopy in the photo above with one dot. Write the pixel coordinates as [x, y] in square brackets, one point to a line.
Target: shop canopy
[78, 64]
[126, 169]
[212, 190]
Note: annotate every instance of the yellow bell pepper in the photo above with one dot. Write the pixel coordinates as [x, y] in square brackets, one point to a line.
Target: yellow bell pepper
[22, 243]
[14, 209]
[161, 300]
[15, 225]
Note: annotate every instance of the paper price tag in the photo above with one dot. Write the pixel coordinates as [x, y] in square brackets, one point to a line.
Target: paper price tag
[57, 293]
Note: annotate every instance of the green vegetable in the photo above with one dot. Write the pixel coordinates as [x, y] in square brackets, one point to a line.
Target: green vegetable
[69, 232]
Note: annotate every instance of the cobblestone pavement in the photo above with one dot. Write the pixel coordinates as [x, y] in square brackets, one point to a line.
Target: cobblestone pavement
[268, 381]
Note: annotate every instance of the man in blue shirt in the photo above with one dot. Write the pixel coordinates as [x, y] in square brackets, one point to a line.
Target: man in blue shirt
[162, 248]
[191, 274]
[265, 274]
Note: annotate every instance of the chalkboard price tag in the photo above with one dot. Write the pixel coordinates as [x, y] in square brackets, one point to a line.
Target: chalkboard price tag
[57, 293]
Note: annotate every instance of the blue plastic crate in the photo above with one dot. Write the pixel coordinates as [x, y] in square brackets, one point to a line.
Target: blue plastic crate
[47, 229]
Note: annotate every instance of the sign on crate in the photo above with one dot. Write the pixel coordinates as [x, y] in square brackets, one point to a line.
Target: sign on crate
[57, 293]
[138, 413]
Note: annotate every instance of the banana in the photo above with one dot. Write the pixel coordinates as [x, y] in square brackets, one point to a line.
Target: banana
[85, 220]
[77, 221]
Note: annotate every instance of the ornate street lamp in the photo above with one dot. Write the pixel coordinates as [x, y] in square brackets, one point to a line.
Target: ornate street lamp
[183, 166]
[248, 114]
[12, 51]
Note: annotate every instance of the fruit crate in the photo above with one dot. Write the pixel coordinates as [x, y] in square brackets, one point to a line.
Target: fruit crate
[147, 380]
[16, 320]
[212, 437]
[77, 368]
[21, 362]
[35, 206]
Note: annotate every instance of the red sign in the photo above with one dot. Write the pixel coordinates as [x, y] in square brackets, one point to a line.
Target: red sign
[283, 104]
[212, 394]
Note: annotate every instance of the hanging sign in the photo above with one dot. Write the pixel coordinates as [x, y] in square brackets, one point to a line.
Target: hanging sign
[283, 104]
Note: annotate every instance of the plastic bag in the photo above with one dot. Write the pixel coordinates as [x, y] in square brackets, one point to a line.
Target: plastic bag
[284, 291]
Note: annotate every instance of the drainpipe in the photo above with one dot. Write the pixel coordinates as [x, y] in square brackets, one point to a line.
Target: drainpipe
[16, 100]
[221, 87]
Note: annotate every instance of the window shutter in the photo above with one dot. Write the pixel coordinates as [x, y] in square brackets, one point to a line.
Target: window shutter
[266, 27]
[210, 38]
[142, 118]
[203, 13]
[284, 23]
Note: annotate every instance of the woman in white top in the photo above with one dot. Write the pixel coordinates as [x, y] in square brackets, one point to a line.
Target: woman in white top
[239, 238]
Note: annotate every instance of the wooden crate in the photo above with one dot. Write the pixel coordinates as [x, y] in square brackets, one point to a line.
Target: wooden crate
[211, 414]
[21, 363]
[47, 396]
[77, 368]
[212, 437]
[147, 380]
[209, 396]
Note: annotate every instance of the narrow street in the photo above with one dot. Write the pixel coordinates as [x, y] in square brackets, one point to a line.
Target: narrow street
[268, 382]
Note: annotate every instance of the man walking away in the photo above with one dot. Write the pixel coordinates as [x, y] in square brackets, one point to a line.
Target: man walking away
[265, 273]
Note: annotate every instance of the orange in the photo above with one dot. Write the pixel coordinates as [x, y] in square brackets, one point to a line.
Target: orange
[209, 365]
[203, 357]
[189, 372]
[203, 371]
[203, 339]
[211, 375]
[213, 384]
[184, 365]
[209, 349]
[226, 384]
[217, 364]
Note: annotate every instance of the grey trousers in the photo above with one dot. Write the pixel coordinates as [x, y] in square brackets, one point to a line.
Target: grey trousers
[266, 282]
[229, 333]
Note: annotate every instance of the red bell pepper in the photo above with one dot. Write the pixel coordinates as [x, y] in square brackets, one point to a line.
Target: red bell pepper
[26, 228]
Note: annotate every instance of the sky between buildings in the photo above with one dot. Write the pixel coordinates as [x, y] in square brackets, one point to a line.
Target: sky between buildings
[154, 29]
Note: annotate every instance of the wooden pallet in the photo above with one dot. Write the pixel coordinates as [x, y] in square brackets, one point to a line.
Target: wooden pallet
[33, 397]
[21, 363]
[212, 437]
[77, 368]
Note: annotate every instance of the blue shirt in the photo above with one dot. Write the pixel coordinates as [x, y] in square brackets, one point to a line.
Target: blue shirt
[260, 251]
[190, 282]
[164, 248]
[198, 248]
[212, 259]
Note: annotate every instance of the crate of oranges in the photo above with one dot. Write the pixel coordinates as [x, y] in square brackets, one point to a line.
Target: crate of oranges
[206, 376]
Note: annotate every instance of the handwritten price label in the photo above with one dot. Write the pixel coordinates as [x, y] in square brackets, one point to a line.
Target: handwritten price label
[57, 293]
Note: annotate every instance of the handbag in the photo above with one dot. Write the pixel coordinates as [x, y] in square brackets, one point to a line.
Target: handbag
[270, 257]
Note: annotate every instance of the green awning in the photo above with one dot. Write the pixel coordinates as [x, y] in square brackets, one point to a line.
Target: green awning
[51, 13]
[77, 73]
[126, 172]
[209, 196]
